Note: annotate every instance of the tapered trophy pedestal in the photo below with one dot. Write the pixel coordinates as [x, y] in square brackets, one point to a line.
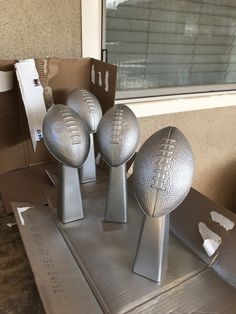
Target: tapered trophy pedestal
[69, 203]
[88, 170]
[116, 206]
[152, 251]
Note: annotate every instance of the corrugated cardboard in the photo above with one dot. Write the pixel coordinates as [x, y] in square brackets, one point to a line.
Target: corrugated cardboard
[225, 262]
[203, 294]
[107, 261]
[29, 184]
[65, 75]
[184, 224]
[105, 253]
[86, 266]
[61, 75]
[16, 150]
[57, 275]
[12, 153]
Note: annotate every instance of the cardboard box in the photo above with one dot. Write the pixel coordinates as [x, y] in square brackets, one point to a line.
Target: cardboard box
[16, 151]
[104, 253]
[62, 75]
[86, 266]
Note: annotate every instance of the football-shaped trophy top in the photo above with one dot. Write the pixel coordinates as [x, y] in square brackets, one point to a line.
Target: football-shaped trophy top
[118, 135]
[66, 135]
[163, 172]
[87, 106]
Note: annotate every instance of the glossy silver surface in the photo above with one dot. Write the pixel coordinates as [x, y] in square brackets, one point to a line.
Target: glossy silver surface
[118, 135]
[116, 204]
[152, 251]
[66, 135]
[107, 279]
[88, 170]
[87, 106]
[162, 177]
[105, 253]
[69, 204]
[163, 172]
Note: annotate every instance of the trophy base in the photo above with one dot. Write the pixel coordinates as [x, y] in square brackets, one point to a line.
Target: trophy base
[88, 171]
[152, 251]
[116, 205]
[69, 202]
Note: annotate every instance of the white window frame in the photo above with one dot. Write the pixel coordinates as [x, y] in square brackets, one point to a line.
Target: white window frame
[92, 28]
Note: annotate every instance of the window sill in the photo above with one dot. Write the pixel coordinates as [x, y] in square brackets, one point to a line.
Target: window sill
[180, 103]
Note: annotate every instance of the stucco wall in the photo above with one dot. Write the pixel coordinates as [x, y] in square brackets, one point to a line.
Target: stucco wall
[31, 28]
[212, 136]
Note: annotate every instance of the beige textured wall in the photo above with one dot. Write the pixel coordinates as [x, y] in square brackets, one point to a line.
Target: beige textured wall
[31, 28]
[212, 136]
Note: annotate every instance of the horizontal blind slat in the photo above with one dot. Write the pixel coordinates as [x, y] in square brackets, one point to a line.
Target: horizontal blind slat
[172, 43]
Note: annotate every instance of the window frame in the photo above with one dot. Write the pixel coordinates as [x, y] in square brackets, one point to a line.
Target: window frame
[154, 101]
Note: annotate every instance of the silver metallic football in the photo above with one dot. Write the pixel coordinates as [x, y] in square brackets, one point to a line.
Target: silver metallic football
[66, 135]
[87, 106]
[163, 172]
[118, 135]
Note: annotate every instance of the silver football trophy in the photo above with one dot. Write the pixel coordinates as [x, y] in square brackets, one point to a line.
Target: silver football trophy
[118, 137]
[162, 176]
[88, 107]
[67, 139]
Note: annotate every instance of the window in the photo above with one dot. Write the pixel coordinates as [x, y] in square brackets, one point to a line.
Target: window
[167, 47]
[145, 101]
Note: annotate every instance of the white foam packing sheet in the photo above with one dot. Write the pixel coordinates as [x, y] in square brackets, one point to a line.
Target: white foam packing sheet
[32, 95]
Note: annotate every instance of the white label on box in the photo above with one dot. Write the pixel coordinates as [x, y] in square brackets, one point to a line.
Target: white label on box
[6, 81]
[32, 95]
[20, 211]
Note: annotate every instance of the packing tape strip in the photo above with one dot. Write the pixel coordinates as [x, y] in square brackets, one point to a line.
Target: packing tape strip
[211, 240]
[20, 211]
[222, 220]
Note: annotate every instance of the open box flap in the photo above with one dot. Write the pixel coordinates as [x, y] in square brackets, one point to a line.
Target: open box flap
[12, 153]
[62, 75]
[67, 74]
[93, 75]
[103, 79]
[184, 222]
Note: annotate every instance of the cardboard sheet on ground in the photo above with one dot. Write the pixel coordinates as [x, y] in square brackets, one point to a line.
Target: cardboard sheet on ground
[30, 184]
[104, 253]
[58, 278]
[184, 222]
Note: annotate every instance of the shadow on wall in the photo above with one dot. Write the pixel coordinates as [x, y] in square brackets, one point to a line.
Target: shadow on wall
[228, 185]
[217, 180]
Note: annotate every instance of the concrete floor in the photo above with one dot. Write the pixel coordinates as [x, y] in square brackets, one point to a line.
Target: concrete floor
[18, 291]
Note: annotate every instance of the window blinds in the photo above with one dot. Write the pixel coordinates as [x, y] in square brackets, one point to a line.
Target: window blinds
[171, 43]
